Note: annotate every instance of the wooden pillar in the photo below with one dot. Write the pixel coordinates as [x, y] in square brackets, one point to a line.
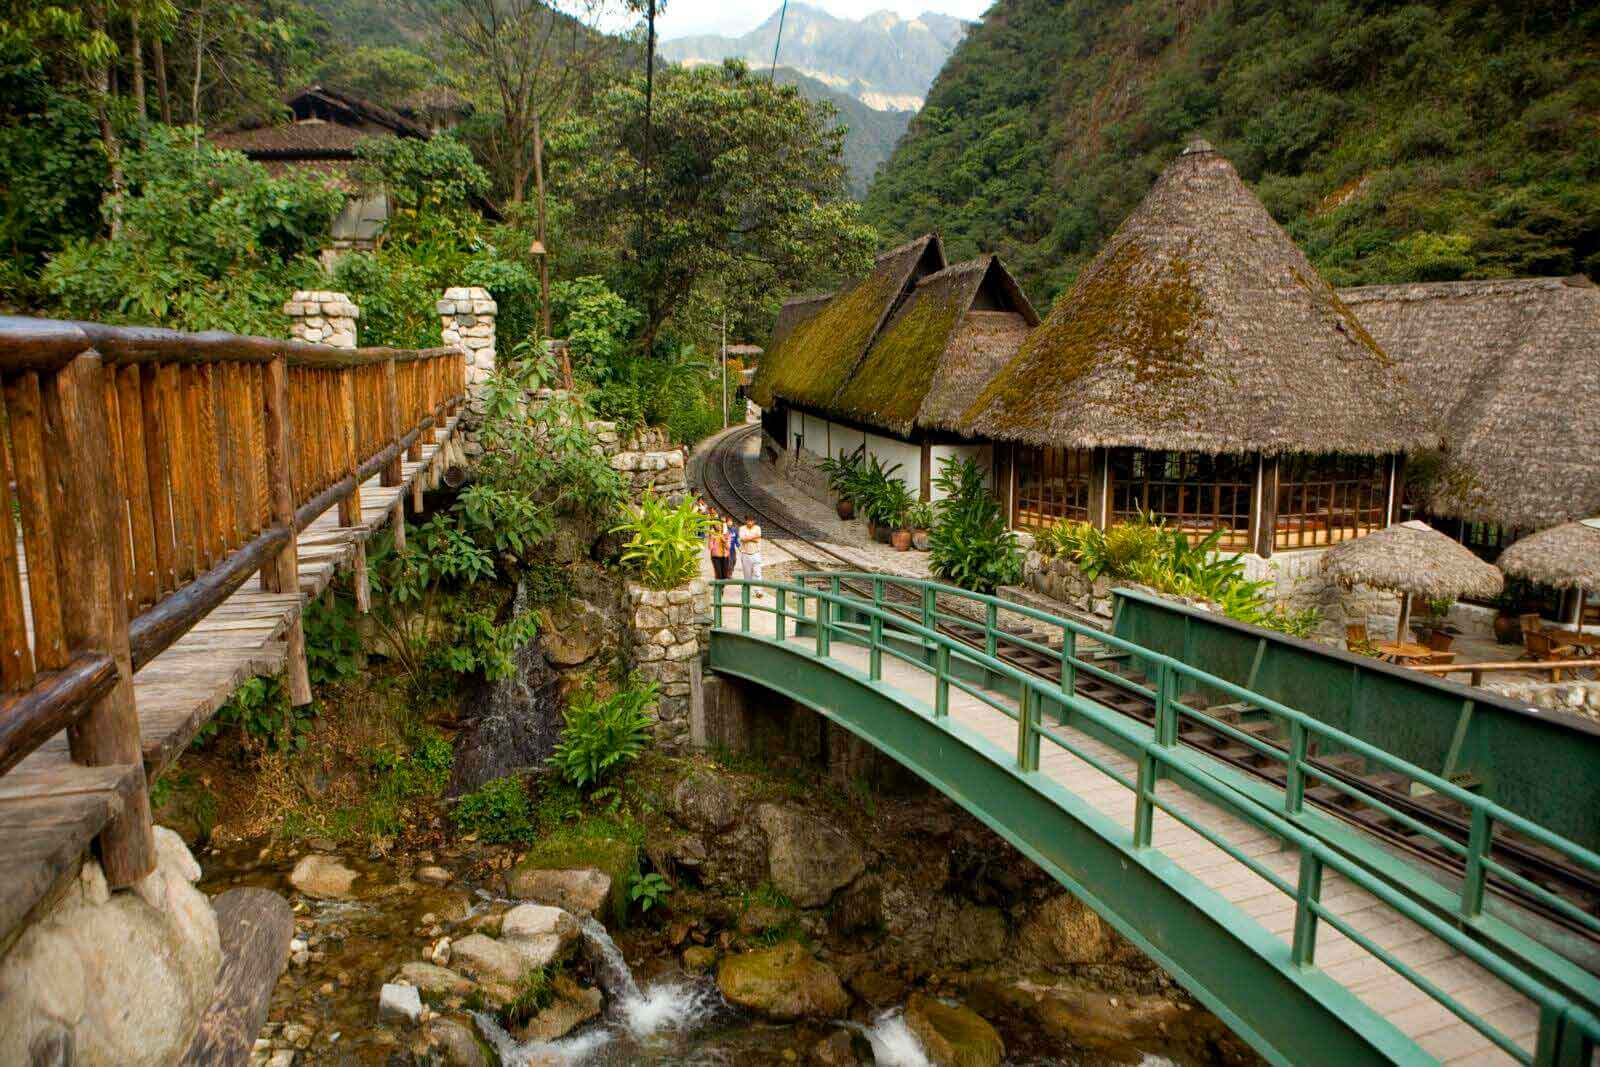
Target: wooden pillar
[393, 473]
[1264, 507]
[1100, 488]
[89, 514]
[281, 574]
[926, 491]
[1397, 487]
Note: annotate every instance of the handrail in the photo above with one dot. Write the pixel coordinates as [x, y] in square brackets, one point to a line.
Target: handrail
[1160, 757]
[1302, 725]
[154, 472]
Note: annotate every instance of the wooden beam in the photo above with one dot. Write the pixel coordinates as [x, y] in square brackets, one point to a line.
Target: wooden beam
[88, 507]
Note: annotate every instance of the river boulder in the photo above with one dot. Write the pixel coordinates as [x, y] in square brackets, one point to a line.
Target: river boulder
[807, 859]
[324, 877]
[783, 983]
[953, 1036]
[582, 891]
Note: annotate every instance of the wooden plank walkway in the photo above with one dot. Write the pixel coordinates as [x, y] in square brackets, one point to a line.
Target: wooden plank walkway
[52, 808]
[1433, 1027]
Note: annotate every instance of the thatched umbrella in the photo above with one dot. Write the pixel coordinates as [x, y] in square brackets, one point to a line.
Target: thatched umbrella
[1413, 558]
[1563, 557]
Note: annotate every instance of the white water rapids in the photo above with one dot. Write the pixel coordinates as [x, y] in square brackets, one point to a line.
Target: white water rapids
[650, 1024]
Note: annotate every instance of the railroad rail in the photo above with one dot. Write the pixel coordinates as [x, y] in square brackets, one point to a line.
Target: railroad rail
[147, 475]
[1382, 803]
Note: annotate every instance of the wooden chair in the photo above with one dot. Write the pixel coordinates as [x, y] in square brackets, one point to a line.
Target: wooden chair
[1542, 648]
[1355, 637]
[1531, 623]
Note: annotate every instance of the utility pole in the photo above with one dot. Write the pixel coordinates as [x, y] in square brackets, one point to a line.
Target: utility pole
[724, 368]
[542, 251]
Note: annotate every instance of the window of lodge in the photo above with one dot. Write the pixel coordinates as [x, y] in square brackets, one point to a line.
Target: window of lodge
[1052, 485]
[1192, 491]
[1323, 500]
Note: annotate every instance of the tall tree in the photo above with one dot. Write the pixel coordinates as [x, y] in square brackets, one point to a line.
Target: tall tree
[534, 59]
[746, 197]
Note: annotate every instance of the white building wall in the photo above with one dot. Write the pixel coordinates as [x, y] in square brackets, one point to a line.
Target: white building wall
[891, 451]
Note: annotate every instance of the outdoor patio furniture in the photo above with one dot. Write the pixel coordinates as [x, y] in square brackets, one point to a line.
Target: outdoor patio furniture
[1405, 654]
[1355, 637]
[1542, 647]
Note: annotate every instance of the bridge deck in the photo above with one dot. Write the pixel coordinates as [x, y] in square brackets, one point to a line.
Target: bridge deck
[1433, 1027]
[51, 808]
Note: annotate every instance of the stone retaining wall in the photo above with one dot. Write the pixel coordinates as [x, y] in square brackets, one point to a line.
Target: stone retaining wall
[669, 631]
[1579, 698]
[320, 317]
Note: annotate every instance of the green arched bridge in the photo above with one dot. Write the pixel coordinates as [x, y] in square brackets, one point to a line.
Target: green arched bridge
[1230, 833]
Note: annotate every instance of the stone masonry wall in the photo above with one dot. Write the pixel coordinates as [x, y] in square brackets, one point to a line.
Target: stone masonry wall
[646, 459]
[466, 318]
[321, 317]
[669, 636]
[1579, 697]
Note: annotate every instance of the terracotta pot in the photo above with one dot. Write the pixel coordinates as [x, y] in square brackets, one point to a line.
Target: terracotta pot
[901, 539]
[881, 534]
[872, 530]
[919, 540]
[846, 508]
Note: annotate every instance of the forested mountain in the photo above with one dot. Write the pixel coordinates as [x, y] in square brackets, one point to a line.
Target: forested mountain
[882, 60]
[870, 134]
[1395, 141]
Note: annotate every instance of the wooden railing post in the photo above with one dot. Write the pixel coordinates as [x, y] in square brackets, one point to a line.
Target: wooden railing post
[281, 574]
[89, 516]
[393, 473]
[350, 506]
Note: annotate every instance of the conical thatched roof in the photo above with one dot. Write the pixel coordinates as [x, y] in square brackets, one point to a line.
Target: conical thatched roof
[814, 352]
[1510, 371]
[1565, 556]
[1201, 327]
[943, 343]
[1412, 557]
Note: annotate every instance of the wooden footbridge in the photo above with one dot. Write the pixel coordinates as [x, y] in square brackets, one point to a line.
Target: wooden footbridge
[148, 476]
[1312, 940]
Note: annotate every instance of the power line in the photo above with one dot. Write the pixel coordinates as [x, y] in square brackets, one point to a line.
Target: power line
[782, 13]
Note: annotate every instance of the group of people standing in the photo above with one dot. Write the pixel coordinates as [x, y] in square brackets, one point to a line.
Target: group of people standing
[729, 543]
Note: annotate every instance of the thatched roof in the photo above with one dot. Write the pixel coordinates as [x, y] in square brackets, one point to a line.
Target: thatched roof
[1200, 327]
[1412, 557]
[328, 123]
[1564, 557]
[943, 343]
[1510, 371]
[814, 350]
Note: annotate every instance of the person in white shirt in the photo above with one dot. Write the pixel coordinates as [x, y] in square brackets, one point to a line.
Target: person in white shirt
[750, 550]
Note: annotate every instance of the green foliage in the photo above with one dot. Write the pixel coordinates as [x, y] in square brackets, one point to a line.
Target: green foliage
[259, 709]
[664, 540]
[1396, 141]
[431, 176]
[745, 201]
[209, 241]
[920, 516]
[596, 323]
[479, 643]
[603, 735]
[499, 812]
[970, 544]
[535, 992]
[1150, 553]
[399, 775]
[673, 389]
[333, 642]
[385, 74]
[649, 890]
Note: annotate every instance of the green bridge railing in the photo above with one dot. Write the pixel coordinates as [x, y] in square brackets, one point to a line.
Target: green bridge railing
[911, 632]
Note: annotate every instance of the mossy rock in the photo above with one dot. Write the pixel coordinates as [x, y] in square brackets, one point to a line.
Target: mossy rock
[784, 983]
[617, 857]
[953, 1036]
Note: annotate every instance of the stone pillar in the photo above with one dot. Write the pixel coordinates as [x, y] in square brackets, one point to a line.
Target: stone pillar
[322, 318]
[466, 318]
[669, 634]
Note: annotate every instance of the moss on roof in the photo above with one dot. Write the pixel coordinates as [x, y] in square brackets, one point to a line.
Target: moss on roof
[807, 366]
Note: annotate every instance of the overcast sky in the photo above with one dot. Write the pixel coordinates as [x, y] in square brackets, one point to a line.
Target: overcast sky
[683, 18]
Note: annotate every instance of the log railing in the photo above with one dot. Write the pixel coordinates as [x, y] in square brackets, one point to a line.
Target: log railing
[145, 474]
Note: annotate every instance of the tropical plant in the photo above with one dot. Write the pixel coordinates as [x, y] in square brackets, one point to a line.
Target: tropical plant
[648, 890]
[888, 503]
[843, 472]
[498, 812]
[970, 544]
[920, 516]
[664, 540]
[604, 734]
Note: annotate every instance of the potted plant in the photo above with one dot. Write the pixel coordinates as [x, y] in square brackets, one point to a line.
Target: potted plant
[919, 519]
[886, 511]
[843, 474]
[1433, 629]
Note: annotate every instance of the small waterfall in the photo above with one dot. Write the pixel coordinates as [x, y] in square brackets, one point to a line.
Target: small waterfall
[635, 1015]
[893, 1043]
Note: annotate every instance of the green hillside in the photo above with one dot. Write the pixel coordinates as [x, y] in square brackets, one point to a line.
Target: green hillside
[1395, 141]
[870, 134]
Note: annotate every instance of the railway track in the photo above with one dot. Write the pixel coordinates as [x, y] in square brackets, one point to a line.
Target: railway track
[723, 480]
